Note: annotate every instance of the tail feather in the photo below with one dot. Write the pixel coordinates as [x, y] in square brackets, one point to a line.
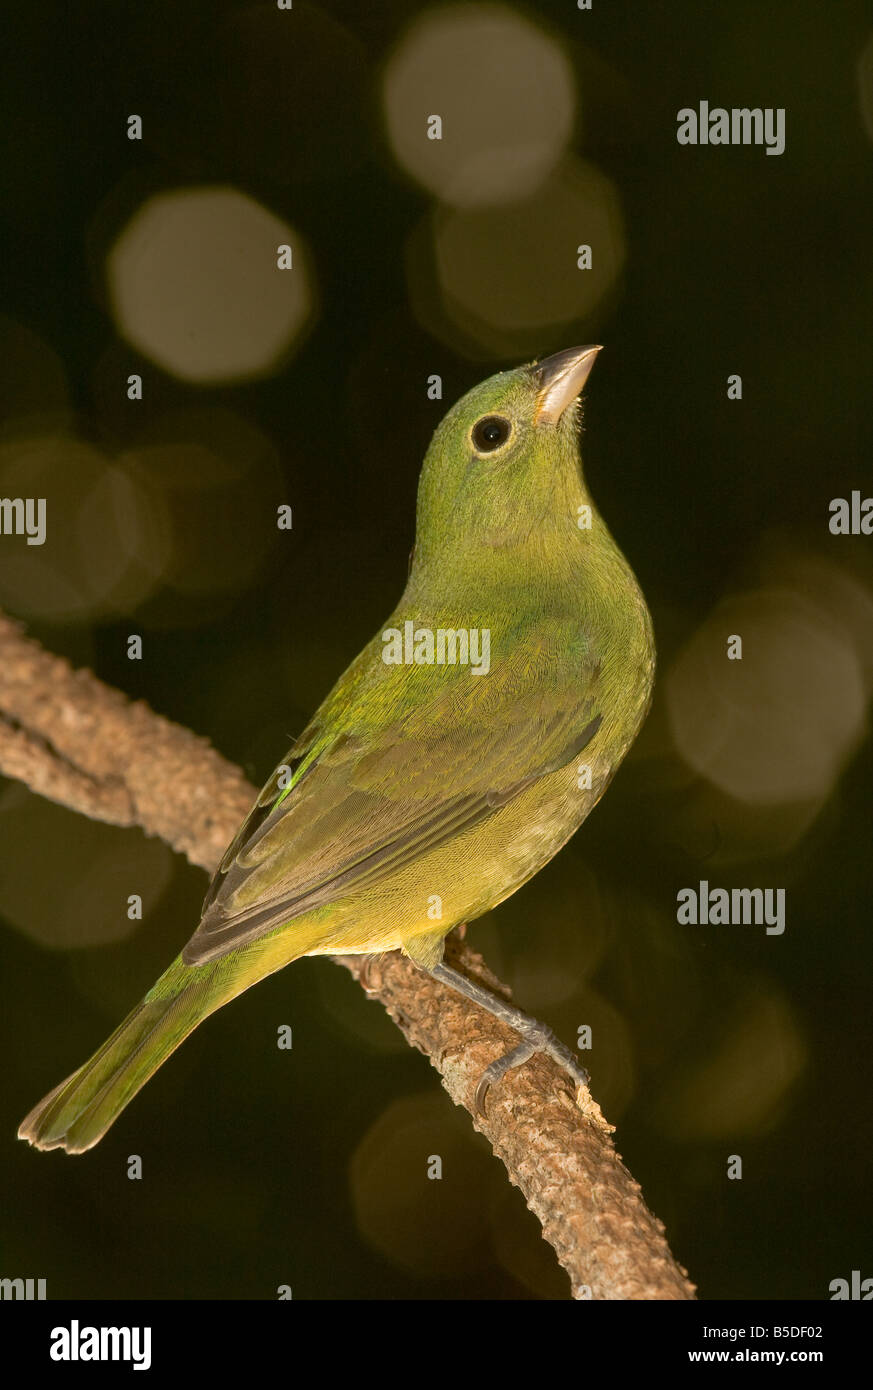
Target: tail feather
[78, 1112]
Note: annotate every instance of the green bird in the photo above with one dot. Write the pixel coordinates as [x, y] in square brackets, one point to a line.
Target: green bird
[450, 762]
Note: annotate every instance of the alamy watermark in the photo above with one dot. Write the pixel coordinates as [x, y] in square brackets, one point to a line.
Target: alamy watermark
[22, 1288]
[23, 516]
[421, 646]
[741, 125]
[76, 1343]
[732, 907]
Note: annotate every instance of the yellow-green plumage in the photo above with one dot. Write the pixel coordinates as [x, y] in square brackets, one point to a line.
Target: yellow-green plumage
[423, 783]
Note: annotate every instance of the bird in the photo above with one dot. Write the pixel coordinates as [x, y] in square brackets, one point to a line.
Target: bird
[451, 761]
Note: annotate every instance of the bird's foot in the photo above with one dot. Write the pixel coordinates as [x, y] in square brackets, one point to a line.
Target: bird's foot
[365, 975]
[536, 1037]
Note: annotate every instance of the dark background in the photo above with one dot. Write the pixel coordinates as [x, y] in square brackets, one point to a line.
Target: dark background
[308, 1167]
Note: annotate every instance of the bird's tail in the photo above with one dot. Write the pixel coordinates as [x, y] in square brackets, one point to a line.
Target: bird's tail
[78, 1112]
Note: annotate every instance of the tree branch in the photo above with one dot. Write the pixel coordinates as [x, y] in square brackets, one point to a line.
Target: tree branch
[76, 741]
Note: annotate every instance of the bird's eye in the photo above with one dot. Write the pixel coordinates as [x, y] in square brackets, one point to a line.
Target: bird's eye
[490, 432]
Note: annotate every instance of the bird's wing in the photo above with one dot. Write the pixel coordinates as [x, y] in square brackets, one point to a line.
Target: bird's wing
[386, 772]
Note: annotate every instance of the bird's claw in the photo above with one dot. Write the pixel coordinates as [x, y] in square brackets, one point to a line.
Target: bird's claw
[536, 1039]
[365, 976]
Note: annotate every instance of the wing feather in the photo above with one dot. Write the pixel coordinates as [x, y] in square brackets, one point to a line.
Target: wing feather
[395, 779]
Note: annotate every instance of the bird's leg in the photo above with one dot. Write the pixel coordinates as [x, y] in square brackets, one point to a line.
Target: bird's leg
[535, 1037]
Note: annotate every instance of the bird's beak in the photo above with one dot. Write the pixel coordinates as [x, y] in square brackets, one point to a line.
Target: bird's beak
[562, 377]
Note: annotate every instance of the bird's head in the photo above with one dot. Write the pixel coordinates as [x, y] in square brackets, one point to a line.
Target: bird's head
[503, 471]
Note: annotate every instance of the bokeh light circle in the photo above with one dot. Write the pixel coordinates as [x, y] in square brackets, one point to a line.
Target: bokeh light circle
[195, 285]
